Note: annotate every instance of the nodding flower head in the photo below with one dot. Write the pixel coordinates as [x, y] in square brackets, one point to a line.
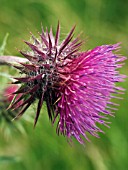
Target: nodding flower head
[76, 86]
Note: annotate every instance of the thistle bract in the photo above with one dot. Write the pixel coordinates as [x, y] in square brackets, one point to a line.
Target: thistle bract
[76, 86]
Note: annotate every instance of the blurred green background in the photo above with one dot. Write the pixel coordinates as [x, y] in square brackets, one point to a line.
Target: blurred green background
[102, 22]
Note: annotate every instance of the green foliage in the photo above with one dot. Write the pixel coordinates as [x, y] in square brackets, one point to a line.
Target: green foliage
[105, 22]
[8, 159]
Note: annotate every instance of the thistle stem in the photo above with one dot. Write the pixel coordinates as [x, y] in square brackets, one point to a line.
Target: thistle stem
[7, 60]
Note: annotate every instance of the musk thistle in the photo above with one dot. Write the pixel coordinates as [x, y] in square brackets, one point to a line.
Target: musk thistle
[76, 86]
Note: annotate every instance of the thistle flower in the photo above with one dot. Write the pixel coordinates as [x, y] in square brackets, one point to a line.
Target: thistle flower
[5, 100]
[7, 126]
[8, 93]
[76, 86]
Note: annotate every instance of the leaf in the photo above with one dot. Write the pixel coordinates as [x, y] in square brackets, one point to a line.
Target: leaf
[2, 47]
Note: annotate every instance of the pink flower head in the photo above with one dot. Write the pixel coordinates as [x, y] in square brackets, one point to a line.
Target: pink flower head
[9, 93]
[7, 98]
[89, 80]
[76, 86]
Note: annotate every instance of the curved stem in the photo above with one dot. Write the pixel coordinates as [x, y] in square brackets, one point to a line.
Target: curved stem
[7, 60]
